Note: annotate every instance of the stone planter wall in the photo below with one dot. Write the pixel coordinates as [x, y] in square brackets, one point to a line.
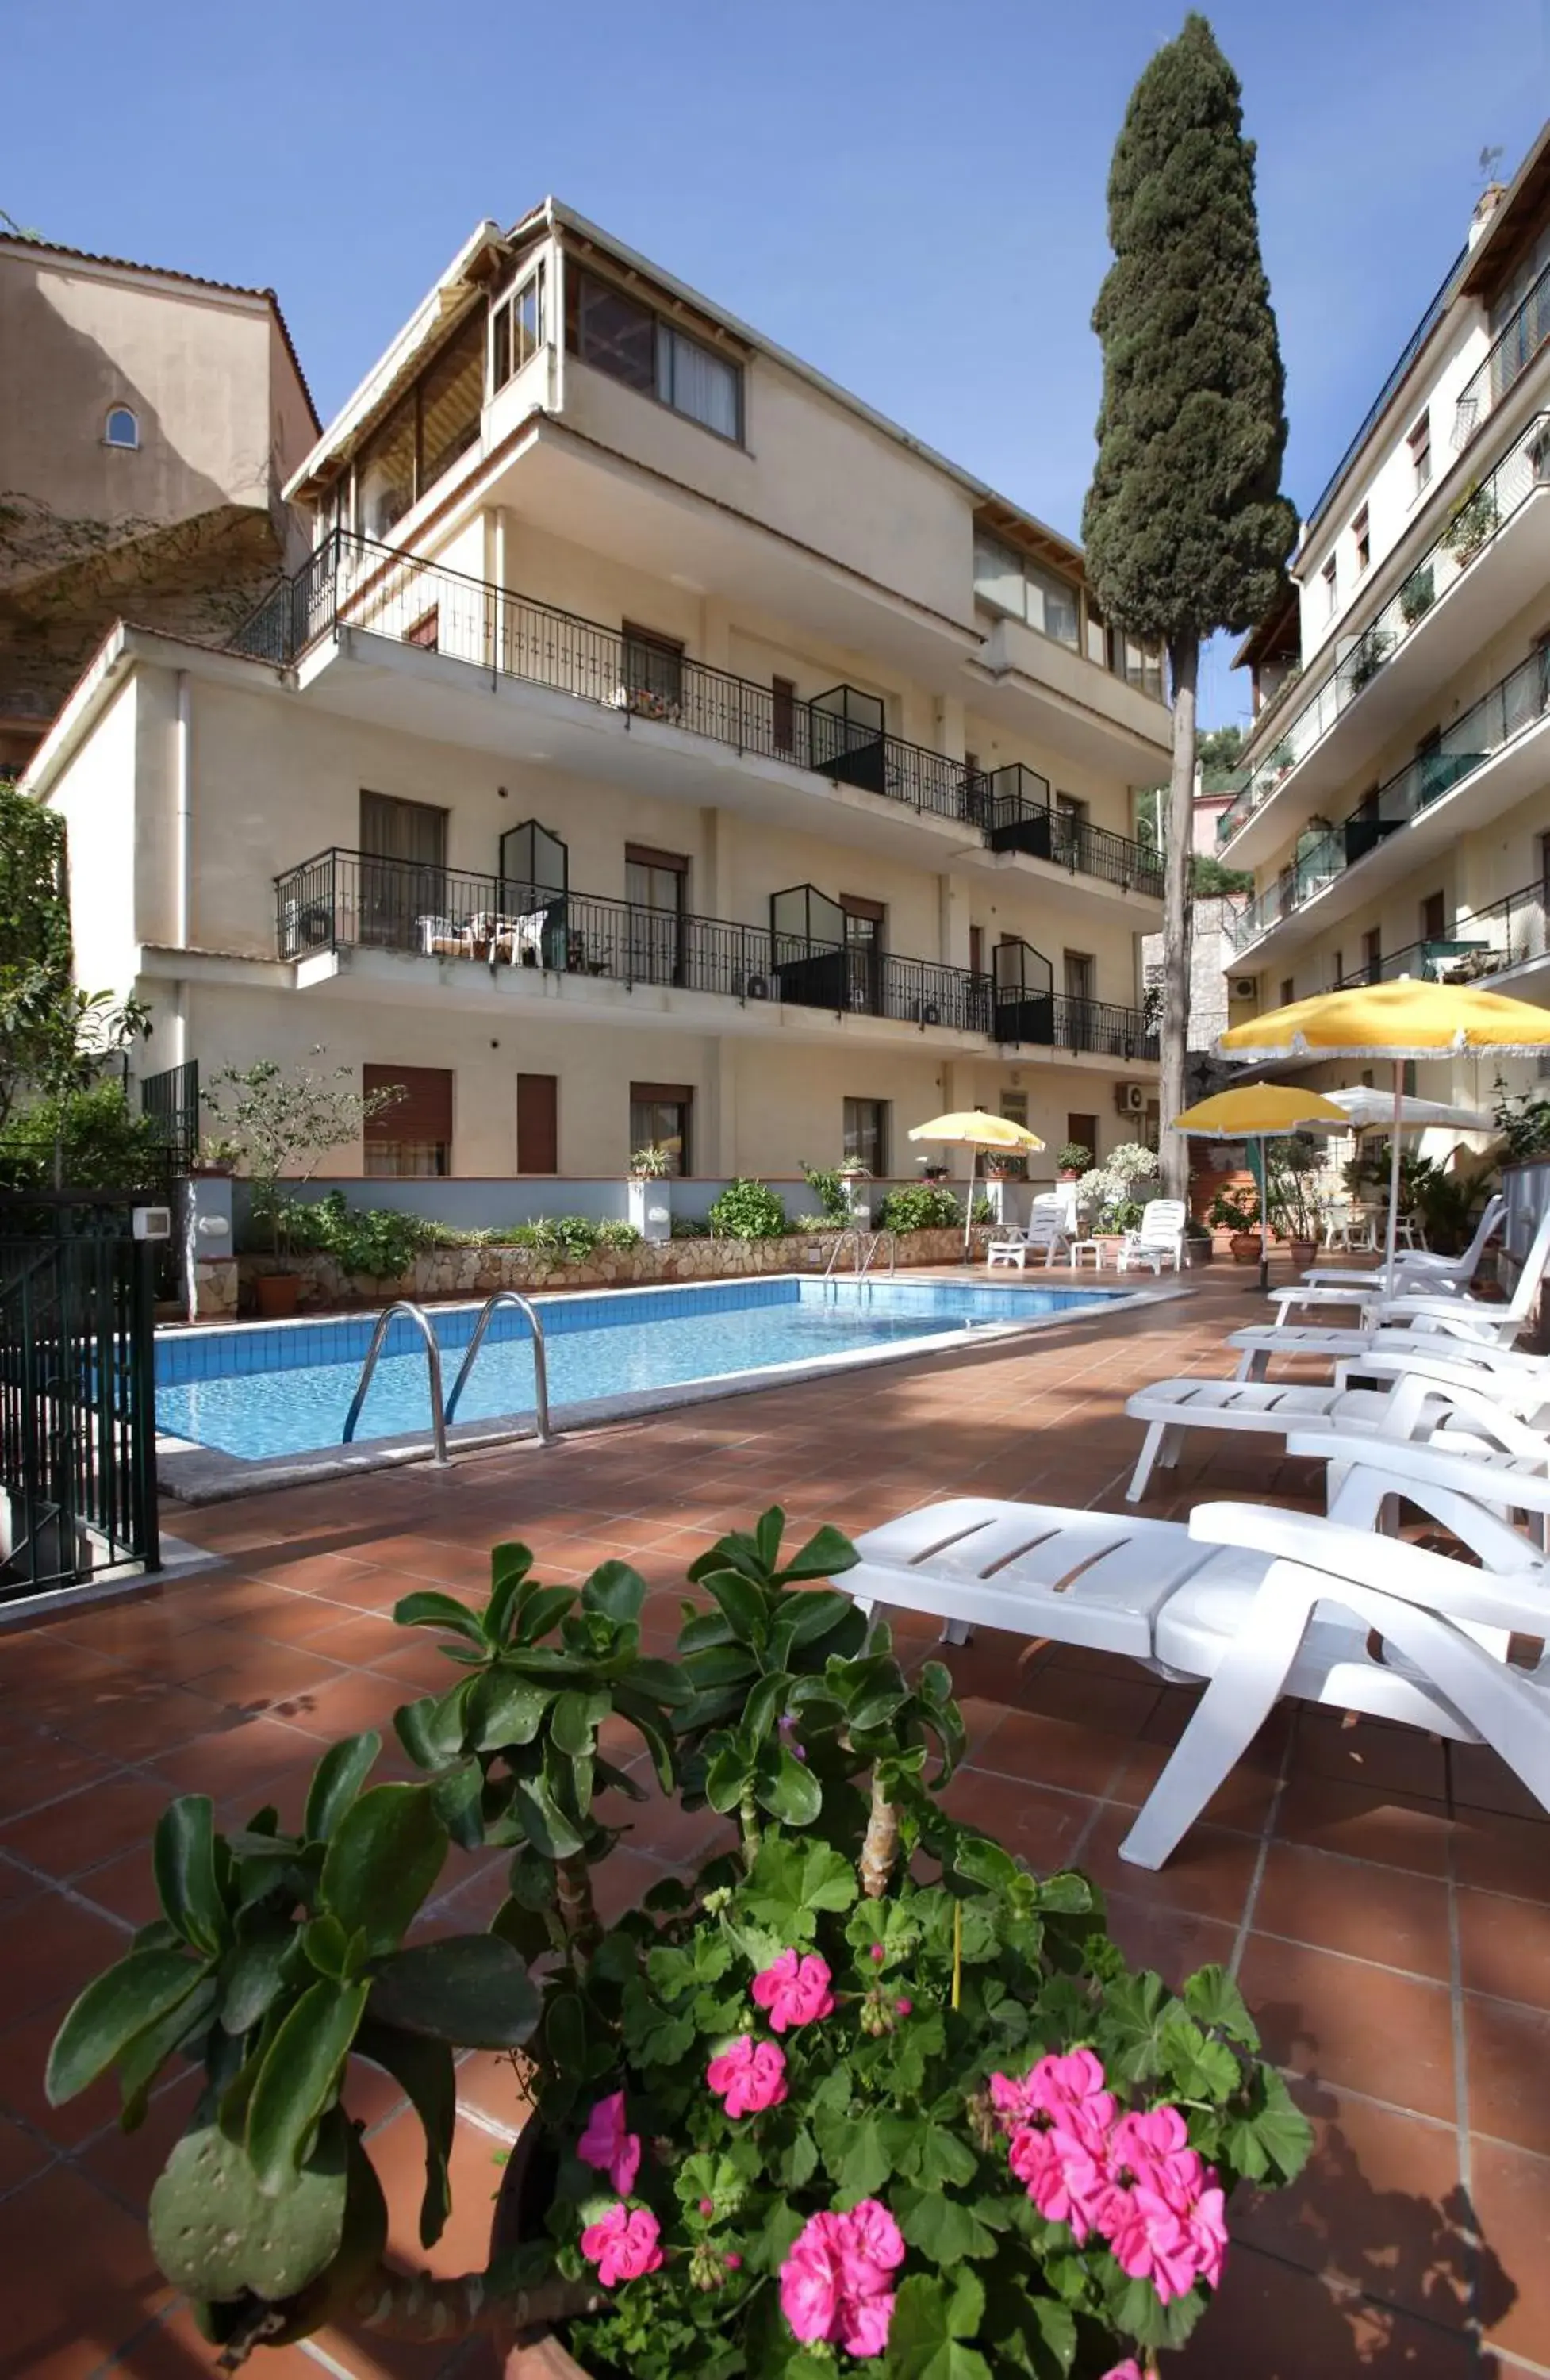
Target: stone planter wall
[475, 1273]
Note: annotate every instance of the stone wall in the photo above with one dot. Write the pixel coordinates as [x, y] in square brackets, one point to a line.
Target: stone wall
[475, 1273]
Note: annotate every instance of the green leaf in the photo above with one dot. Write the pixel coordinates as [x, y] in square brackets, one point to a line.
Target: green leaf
[469, 1989]
[868, 2156]
[431, 1729]
[743, 1603]
[548, 1828]
[938, 2156]
[539, 1610]
[941, 2228]
[615, 1590]
[298, 2078]
[576, 1719]
[182, 2028]
[790, 1790]
[509, 1565]
[428, 2074]
[985, 1863]
[1283, 2130]
[816, 1614]
[725, 1779]
[1213, 1999]
[931, 2323]
[429, 1609]
[768, 1529]
[385, 1855]
[457, 1797]
[214, 2235]
[824, 1555]
[131, 1997]
[336, 1781]
[250, 1980]
[643, 1717]
[705, 1629]
[504, 1707]
[790, 1883]
[1056, 2328]
[183, 1855]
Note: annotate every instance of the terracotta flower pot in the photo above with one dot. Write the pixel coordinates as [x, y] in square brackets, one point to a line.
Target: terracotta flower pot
[517, 2214]
[1303, 1252]
[276, 1295]
[1245, 1247]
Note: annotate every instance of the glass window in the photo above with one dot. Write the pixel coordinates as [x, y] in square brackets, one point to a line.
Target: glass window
[693, 380]
[1052, 605]
[516, 329]
[1005, 578]
[1362, 536]
[1328, 582]
[1421, 452]
[121, 427]
[866, 1129]
[998, 574]
[450, 398]
[660, 1114]
[616, 334]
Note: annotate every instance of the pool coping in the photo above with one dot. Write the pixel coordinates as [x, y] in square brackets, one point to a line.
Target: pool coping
[202, 1475]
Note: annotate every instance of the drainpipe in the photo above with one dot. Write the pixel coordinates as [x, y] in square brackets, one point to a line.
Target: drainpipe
[182, 829]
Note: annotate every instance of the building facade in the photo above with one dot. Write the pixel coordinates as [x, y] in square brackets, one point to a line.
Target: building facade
[149, 421]
[1396, 805]
[656, 746]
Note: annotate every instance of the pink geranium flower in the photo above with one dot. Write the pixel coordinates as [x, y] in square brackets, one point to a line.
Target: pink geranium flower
[607, 2147]
[834, 2283]
[749, 2075]
[1068, 2093]
[1064, 2179]
[1128, 2369]
[1150, 2242]
[794, 1991]
[623, 2243]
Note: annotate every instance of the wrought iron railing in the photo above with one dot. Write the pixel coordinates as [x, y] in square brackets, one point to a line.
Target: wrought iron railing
[1476, 520]
[172, 1099]
[351, 583]
[1511, 707]
[77, 1430]
[1506, 359]
[1506, 933]
[1408, 353]
[1011, 820]
[343, 899]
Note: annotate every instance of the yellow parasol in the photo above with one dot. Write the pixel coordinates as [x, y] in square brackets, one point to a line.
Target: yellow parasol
[1405, 1022]
[973, 1128]
[1258, 1111]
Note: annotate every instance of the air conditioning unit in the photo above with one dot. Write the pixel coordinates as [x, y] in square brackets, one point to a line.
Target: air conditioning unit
[756, 987]
[1245, 987]
[153, 1223]
[927, 1013]
[1130, 1099]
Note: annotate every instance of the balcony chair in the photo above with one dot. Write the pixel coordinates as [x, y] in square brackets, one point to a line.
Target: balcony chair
[1264, 1604]
[1158, 1238]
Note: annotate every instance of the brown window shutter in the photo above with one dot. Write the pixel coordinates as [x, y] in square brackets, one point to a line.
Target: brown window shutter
[537, 1124]
[644, 1093]
[976, 950]
[424, 1113]
[643, 854]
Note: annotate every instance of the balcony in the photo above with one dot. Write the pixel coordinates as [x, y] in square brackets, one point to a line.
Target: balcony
[1452, 580]
[1511, 352]
[1509, 937]
[1497, 734]
[344, 902]
[351, 585]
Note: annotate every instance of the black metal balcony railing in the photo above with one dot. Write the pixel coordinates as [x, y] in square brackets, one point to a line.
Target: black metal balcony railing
[1508, 359]
[1013, 817]
[341, 899]
[1510, 932]
[351, 582]
[1511, 708]
[1476, 520]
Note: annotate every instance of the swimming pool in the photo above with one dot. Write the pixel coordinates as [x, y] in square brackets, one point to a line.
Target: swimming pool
[284, 1390]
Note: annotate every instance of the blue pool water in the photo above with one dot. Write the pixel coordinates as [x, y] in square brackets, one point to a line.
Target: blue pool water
[259, 1393]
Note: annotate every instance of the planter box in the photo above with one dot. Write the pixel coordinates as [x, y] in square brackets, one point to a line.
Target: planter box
[650, 1206]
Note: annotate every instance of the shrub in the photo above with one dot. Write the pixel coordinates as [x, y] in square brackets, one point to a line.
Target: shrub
[374, 1240]
[828, 1186]
[95, 1136]
[1234, 1210]
[819, 1222]
[747, 1210]
[1074, 1157]
[958, 2086]
[616, 1234]
[1417, 595]
[919, 1206]
[1523, 1121]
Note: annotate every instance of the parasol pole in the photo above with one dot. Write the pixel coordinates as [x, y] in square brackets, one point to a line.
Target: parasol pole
[1264, 1215]
[1394, 1177]
[969, 1201]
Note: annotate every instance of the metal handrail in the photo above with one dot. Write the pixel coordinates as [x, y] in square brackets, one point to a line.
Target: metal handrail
[874, 1245]
[546, 1436]
[421, 1320]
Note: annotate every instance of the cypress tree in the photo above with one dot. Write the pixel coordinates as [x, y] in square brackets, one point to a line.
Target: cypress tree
[1185, 526]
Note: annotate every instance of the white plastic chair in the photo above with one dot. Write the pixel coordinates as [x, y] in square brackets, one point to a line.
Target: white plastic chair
[1158, 1238]
[1258, 1344]
[1263, 1602]
[1419, 1277]
[1045, 1230]
[1420, 1269]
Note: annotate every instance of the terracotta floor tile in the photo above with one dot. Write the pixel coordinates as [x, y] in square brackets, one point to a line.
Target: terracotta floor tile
[1041, 1828]
[90, 1825]
[21, 2155]
[1174, 1942]
[1502, 1854]
[61, 2310]
[1511, 2195]
[1353, 2025]
[44, 1769]
[1340, 1905]
[236, 1760]
[54, 1948]
[1366, 1752]
[1046, 1751]
[1273, 2321]
[1479, 1780]
[1365, 1822]
[1208, 1876]
[1506, 2047]
[1505, 1947]
[127, 2164]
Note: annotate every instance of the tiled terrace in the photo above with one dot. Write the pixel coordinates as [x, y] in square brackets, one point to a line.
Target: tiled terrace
[1385, 1899]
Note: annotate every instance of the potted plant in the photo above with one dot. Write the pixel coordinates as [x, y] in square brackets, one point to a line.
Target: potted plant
[1237, 1212]
[1471, 522]
[1200, 1246]
[648, 1196]
[1418, 594]
[863, 2083]
[1073, 1162]
[278, 1126]
[854, 1178]
[1295, 1208]
[1367, 657]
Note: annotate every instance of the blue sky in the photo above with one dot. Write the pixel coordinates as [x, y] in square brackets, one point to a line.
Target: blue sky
[910, 193]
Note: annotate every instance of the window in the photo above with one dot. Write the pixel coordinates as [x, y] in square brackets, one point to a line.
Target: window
[1433, 917]
[866, 1129]
[619, 335]
[1013, 1106]
[1071, 821]
[976, 933]
[782, 713]
[655, 885]
[1084, 1130]
[1361, 538]
[1139, 665]
[1372, 956]
[537, 1124]
[1289, 990]
[516, 329]
[121, 427]
[1336, 969]
[653, 670]
[661, 1115]
[1420, 443]
[866, 933]
[412, 1137]
[1331, 591]
[1010, 582]
[1080, 976]
[422, 437]
[403, 885]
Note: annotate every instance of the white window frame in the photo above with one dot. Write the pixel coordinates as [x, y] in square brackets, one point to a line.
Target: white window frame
[509, 306]
[1329, 579]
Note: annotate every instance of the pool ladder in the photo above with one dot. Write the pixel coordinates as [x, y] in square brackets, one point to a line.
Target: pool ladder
[442, 1409]
[867, 1246]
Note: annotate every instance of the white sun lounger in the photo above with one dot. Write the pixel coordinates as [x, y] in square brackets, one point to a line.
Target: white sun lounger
[1258, 1342]
[1421, 1300]
[1418, 1267]
[1263, 1602]
[1468, 1404]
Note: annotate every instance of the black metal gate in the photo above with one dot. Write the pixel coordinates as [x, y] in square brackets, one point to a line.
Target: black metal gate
[78, 1392]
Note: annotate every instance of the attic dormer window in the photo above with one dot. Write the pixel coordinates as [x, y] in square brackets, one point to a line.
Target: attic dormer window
[121, 428]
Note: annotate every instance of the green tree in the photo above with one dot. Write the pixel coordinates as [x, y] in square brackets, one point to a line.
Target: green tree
[1185, 526]
[1219, 749]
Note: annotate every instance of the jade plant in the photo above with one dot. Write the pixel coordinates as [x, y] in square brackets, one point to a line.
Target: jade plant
[865, 2095]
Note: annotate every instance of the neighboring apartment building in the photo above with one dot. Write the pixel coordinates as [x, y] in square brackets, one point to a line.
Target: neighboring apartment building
[148, 423]
[657, 745]
[1396, 808]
